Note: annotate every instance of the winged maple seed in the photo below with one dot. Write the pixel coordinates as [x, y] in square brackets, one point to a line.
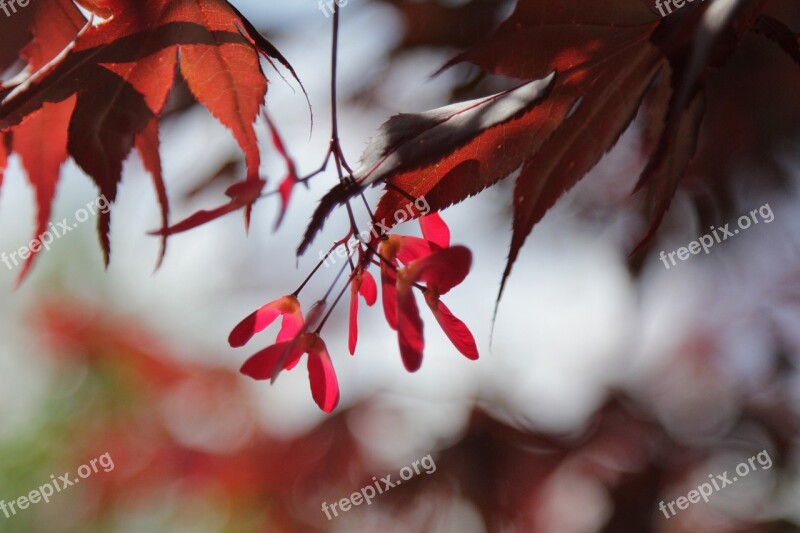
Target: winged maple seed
[404, 263]
[441, 270]
[324, 386]
[292, 342]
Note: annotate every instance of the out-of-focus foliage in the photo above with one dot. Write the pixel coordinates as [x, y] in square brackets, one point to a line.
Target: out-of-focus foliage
[188, 453]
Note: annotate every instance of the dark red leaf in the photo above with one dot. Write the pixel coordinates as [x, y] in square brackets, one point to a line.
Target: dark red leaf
[242, 194]
[147, 143]
[119, 74]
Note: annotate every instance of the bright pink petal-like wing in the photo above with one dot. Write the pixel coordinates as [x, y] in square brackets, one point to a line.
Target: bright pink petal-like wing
[455, 329]
[363, 284]
[409, 328]
[352, 339]
[291, 325]
[368, 289]
[411, 248]
[310, 321]
[255, 322]
[266, 315]
[443, 269]
[321, 374]
[389, 293]
[265, 364]
[435, 230]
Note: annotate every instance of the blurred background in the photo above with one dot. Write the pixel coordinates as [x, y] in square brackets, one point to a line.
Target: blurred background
[608, 387]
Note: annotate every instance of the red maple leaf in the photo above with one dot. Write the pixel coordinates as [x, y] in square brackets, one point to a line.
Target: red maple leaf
[591, 64]
[99, 89]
